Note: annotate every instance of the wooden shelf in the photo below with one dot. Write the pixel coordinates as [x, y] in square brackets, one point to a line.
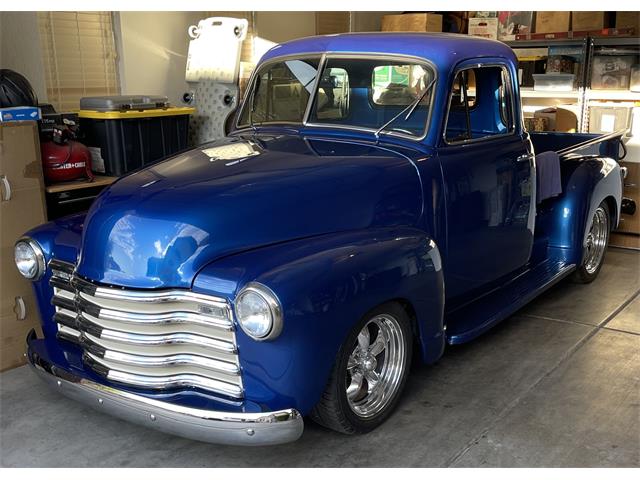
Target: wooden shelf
[98, 181]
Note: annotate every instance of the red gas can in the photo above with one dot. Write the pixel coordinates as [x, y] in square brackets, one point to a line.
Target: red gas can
[65, 161]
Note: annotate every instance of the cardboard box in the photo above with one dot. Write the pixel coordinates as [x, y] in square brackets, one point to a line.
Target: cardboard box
[25, 209]
[536, 124]
[552, 22]
[628, 20]
[567, 118]
[412, 22]
[511, 24]
[584, 21]
[484, 27]
[611, 71]
[549, 114]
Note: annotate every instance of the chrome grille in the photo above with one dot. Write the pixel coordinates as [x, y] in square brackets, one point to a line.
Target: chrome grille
[151, 339]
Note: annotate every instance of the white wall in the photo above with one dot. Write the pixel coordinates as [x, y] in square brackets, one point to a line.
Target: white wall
[20, 48]
[153, 48]
[283, 26]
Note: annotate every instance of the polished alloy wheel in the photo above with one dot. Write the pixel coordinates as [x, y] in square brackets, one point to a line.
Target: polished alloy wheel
[596, 241]
[375, 366]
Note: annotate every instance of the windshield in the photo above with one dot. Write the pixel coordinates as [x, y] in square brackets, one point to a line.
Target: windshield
[281, 92]
[351, 92]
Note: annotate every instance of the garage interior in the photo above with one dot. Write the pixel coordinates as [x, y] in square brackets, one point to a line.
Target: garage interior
[555, 385]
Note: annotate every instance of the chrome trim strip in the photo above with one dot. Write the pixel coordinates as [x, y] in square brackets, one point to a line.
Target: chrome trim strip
[143, 296]
[61, 265]
[68, 333]
[177, 318]
[200, 333]
[168, 339]
[160, 382]
[231, 428]
[171, 360]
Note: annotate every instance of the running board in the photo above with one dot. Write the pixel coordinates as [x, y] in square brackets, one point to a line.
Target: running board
[475, 318]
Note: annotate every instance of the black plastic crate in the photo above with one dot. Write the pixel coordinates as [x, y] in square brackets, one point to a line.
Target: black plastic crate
[122, 141]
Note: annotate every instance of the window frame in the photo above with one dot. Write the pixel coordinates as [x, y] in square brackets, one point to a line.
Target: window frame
[252, 82]
[511, 93]
[324, 56]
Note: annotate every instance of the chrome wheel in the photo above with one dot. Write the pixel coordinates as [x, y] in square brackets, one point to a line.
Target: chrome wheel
[375, 366]
[596, 241]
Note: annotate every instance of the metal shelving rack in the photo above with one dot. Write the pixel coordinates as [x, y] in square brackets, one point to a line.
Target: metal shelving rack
[574, 96]
[591, 95]
[583, 93]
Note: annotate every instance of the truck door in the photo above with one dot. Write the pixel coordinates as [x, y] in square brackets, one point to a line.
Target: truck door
[487, 168]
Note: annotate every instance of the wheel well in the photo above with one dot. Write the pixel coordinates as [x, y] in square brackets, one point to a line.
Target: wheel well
[411, 313]
[613, 211]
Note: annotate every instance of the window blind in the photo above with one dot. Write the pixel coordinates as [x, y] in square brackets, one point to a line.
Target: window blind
[79, 56]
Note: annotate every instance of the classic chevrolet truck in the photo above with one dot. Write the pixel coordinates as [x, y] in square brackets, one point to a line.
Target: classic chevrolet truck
[377, 200]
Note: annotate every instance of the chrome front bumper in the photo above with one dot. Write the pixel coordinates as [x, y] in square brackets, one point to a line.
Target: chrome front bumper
[231, 428]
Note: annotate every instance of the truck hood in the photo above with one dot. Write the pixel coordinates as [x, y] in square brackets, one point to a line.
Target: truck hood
[157, 227]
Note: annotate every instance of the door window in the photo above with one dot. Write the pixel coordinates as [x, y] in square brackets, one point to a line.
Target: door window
[480, 104]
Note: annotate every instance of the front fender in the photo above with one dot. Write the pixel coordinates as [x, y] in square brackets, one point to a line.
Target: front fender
[587, 182]
[59, 239]
[326, 284]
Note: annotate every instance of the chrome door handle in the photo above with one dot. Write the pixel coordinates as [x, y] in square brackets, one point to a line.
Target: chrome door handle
[6, 188]
[525, 157]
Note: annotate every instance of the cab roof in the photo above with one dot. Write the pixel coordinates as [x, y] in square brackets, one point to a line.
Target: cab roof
[445, 50]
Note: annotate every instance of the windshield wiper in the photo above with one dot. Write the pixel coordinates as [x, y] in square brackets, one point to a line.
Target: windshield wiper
[411, 108]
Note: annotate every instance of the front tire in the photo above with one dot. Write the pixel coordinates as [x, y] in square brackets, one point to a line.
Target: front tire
[369, 373]
[595, 246]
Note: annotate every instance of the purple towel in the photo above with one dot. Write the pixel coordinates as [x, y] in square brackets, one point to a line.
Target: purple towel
[548, 183]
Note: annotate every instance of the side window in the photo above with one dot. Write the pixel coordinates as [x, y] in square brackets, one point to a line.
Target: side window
[480, 104]
[468, 77]
[333, 94]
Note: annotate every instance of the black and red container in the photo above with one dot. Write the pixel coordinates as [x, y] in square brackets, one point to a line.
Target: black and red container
[124, 133]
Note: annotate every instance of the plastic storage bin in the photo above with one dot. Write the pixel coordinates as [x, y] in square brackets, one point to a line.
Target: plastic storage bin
[553, 81]
[126, 133]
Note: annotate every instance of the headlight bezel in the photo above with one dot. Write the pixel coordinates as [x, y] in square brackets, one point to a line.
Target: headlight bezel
[39, 257]
[273, 303]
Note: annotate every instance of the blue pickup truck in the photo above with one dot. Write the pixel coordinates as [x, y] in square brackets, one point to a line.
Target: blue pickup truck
[377, 199]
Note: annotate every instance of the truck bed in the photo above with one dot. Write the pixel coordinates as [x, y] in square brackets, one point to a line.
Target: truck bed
[563, 143]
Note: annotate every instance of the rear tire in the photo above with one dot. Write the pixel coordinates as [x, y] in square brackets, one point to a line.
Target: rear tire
[369, 373]
[595, 247]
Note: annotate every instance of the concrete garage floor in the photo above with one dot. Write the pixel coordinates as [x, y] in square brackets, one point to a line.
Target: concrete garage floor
[556, 385]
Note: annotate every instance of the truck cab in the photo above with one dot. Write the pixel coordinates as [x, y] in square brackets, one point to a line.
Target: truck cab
[378, 198]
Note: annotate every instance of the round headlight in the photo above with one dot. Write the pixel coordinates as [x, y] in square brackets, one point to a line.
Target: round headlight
[259, 312]
[29, 258]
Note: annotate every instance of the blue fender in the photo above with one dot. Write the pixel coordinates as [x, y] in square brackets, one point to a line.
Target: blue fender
[59, 239]
[587, 182]
[325, 285]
